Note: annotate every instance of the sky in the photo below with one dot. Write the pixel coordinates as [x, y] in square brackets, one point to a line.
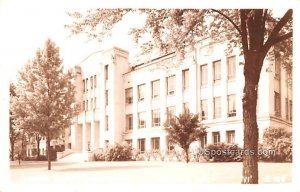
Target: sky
[25, 26]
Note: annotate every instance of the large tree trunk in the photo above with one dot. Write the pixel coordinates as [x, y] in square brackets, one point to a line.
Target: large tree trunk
[250, 159]
[48, 152]
[187, 159]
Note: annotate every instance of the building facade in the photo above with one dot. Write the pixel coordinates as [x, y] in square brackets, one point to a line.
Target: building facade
[123, 103]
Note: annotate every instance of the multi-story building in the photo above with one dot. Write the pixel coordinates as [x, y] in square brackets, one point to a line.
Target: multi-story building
[124, 103]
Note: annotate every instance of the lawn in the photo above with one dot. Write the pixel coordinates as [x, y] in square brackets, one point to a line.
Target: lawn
[144, 172]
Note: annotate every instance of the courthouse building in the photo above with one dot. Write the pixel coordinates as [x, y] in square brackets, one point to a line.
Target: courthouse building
[120, 102]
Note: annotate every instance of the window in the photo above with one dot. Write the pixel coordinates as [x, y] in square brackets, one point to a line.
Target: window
[92, 82]
[171, 85]
[128, 96]
[141, 92]
[83, 106]
[170, 114]
[155, 89]
[86, 84]
[185, 79]
[155, 143]
[203, 72]
[291, 110]
[155, 118]
[95, 102]
[106, 72]
[142, 120]
[277, 68]
[230, 136]
[286, 109]
[231, 68]
[106, 122]
[129, 142]
[106, 143]
[83, 82]
[277, 104]
[129, 123]
[87, 105]
[95, 81]
[217, 71]
[141, 145]
[217, 107]
[216, 137]
[204, 109]
[231, 105]
[186, 107]
[203, 141]
[106, 97]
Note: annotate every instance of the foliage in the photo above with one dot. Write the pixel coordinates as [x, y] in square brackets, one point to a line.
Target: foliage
[224, 152]
[116, 152]
[46, 95]
[185, 129]
[279, 140]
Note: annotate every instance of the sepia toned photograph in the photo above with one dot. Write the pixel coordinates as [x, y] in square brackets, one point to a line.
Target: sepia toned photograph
[117, 96]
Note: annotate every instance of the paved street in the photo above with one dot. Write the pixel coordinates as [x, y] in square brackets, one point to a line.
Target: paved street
[143, 172]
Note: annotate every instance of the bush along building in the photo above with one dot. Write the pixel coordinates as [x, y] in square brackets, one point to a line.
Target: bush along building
[124, 103]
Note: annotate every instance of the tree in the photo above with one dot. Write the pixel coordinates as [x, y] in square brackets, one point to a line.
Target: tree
[256, 32]
[14, 131]
[184, 130]
[46, 102]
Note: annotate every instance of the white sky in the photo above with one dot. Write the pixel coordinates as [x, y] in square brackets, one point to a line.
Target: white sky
[25, 26]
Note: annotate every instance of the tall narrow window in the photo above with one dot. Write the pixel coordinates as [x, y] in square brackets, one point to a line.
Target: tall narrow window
[231, 68]
[106, 72]
[286, 109]
[170, 114]
[186, 108]
[155, 118]
[185, 79]
[291, 110]
[129, 123]
[92, 82]
[155, 89]
[171, 85]
[203, 72]
[128, 96]
[87, 105]
[106, 123]
[277, 104]
[155, 143]
[141, 120]
[95, 81]
[217, 71]
[217, 107]
[216, 137]
[86, 85]
[204, 109]
[95, 102]
[231, 112]
[277, 68]
[83, 82]
[141, 92]
[106, 97]
[83, 105]
[230, 137]
[141, 145]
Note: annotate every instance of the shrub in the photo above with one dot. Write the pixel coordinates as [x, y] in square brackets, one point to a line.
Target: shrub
[116, 152]
[224, 152]
[279, 140]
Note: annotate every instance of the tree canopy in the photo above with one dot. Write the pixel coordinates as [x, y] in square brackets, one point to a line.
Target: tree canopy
[46, 95]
